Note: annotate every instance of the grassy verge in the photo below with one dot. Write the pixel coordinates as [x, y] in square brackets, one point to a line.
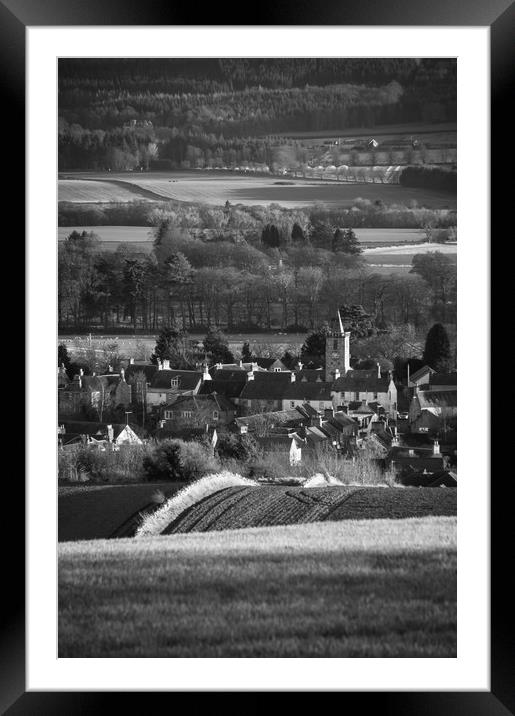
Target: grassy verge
[375, 588]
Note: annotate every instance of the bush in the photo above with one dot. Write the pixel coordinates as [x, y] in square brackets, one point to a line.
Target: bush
[179, 460]
[89, 462]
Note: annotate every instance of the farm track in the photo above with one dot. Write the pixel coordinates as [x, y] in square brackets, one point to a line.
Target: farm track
[242, 507]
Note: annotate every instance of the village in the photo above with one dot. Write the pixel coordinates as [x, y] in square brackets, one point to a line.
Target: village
[408, 429]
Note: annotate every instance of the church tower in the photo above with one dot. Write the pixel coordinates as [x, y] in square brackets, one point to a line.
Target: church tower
[337, 352]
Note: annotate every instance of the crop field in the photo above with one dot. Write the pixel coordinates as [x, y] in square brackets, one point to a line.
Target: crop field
[215, 189]
[86, 192]
[368, 588]
[139, 237]
[400, 257]
[263, 506]
[87, 512]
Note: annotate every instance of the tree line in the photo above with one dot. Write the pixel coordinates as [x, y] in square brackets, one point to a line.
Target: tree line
[149, 111]
[233, 283]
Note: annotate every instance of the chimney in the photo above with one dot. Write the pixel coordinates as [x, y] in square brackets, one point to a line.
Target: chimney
[337, 373]
[131, 361]
[411, 452]
[218, 366]
[110, 368]
[292, 377]
[436, 448]
[166, 364]
[250, 375]
[254, 366]
[243, 429]
[240, 363]
[122, 374]
[81, 372]
[301, 365]
[328, 413]
[206, 375]
[159, 365]
[395, 441]
[378, 369]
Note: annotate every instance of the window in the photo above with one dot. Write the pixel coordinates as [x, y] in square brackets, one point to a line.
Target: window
[321, 404]
[215, 415]
[335, 344]
[356, 396]
[375, 396]
[186, 413]
[168, 414]
[175, 383]
[292, 403]
[277, 370]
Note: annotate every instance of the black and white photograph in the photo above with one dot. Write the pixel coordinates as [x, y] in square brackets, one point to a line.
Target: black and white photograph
[257, 381]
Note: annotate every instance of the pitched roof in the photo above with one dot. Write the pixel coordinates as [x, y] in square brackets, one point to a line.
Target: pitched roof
[266, 386]
[147, 368]
[361, 385]
[188, 379]
[443, 379]
[91, 428]
[198, 401]
[437, 398]
[309, 375]
[362, 373]
[420, 373]
[267, 363]
[233, 374]
[307, 391]
[229, 388]
[275, 417]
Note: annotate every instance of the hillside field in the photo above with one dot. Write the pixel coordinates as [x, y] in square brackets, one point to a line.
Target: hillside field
[371, 588]
[215, 188]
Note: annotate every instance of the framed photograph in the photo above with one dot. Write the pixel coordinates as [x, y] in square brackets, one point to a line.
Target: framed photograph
[242, 242]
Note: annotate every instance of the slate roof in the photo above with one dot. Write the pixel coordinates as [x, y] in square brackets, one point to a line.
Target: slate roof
[362, 373]
[188, 379]
[90, 428]
[362, 385]
[443, 379]
[277, 417]
[148, 368]
[229, 388]
[267, 363]
[307, 391]
[309, 375]
[198, 401]
[233, 374]
[266, 386]
[437, 398]
[420, 373]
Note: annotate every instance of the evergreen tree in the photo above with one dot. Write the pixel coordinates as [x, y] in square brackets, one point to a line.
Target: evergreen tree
[172, 345]
[270, 236]
[63, 357]
[297, 234]
[246, 353]
[216, 346]
[321, 233]
[312, 351]
[345, 241]
[437, 351]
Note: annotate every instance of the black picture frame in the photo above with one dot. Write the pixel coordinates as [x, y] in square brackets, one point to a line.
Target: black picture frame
[499, 15]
